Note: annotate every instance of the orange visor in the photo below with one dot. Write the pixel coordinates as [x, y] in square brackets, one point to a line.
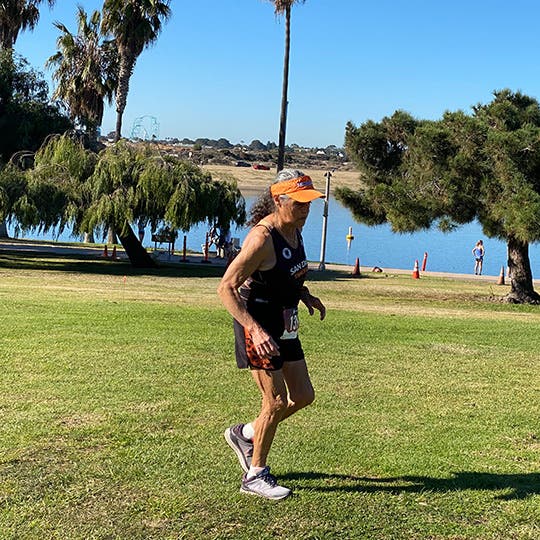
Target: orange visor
[300, 189]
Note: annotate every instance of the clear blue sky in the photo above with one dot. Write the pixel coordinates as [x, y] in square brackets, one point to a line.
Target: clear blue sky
[216, 70]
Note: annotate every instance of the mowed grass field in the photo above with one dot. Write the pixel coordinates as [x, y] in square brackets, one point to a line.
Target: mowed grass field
[116, 388]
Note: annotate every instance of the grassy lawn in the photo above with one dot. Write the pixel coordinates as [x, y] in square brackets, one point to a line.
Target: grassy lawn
[117, 386]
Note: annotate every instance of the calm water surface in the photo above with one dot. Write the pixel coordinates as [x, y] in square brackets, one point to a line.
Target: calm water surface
[379, 246]
[375, 246]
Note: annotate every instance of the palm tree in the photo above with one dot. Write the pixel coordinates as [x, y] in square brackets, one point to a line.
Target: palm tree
[86, 71]
[134, 24]
[17, 16]
[283, 7]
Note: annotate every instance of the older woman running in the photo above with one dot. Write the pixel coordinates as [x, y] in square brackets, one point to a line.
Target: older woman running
[261, 289]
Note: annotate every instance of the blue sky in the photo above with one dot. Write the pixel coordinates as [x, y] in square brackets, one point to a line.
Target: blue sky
[216, 70]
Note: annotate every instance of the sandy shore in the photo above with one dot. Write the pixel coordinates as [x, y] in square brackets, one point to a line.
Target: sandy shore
[253, 182]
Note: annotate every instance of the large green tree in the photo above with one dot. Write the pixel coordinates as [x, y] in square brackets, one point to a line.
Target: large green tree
[53, 194]
[17, 16]
[27, 115]
[283, 7]
[86, 67]
[134, 25]
[484, 166]
[131, 183]
[124, 183]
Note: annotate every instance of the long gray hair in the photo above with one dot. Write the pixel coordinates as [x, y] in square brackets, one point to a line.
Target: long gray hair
[264, 205]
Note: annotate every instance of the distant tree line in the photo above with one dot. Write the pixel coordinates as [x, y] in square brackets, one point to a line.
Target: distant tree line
[255, 146]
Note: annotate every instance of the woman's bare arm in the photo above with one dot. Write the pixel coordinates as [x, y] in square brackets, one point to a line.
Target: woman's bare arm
[257, 253]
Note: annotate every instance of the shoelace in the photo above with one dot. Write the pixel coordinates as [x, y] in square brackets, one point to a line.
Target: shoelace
[268, 478]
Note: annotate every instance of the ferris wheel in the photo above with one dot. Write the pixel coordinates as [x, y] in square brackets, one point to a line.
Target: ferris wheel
[145, 128]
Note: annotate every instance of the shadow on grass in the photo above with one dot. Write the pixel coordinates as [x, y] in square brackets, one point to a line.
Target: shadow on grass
[345, 274]
[38, 260]
[77, 262]
[516, 486]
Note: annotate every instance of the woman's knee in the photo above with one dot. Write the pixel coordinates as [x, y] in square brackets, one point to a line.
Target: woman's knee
[275, 406]
[307, 397]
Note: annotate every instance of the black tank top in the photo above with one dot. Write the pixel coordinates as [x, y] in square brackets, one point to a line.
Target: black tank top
[282, 284]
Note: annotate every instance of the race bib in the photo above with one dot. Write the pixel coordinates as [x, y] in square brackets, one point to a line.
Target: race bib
[291, 323]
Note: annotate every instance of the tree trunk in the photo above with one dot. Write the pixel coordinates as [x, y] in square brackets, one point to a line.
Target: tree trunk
[138, 256]
[92, 131]
[88, 238]
[284, 91]
[127, 63]
[118, 129]
[3, 229]
[111, 235]
[519, 265]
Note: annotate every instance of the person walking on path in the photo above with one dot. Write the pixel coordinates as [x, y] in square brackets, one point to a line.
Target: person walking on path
[261, 289]
[478, 252]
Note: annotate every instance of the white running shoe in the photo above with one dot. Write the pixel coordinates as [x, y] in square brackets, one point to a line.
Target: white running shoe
[264, 485]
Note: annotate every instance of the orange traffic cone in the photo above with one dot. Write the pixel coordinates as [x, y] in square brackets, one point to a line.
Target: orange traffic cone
[416, 272]
[356, 269]
[105, 253]
[113, 256]
[500, 281]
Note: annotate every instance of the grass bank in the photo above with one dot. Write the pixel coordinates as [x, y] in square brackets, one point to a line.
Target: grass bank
[117, 386]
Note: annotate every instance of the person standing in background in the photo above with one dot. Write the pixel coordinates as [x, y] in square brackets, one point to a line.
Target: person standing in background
[478, 252]
[141, 228]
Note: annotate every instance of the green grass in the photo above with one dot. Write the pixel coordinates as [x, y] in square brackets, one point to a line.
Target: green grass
[117, 385]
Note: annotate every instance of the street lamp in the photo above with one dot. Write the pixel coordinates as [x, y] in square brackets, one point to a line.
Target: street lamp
[328, 175]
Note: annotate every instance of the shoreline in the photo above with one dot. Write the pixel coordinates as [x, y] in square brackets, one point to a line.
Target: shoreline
[63, 248]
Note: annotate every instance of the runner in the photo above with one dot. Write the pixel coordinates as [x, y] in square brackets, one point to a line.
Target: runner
[261, 289]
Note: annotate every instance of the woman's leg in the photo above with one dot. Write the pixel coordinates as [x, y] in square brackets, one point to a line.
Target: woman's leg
[284, 392]
[274, 405]
[300, 389]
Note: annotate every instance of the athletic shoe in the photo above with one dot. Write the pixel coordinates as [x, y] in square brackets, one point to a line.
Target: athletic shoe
[264, 485]
[243, 448]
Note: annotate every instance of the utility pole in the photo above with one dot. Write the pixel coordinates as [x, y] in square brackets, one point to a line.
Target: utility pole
[328, 175]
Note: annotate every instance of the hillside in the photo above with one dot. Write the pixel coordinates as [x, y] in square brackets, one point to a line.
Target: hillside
[242, 155]
[253, 166]
[248, 165]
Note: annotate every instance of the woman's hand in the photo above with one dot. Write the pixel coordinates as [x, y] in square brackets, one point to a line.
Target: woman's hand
[264, 345]
[313, 303]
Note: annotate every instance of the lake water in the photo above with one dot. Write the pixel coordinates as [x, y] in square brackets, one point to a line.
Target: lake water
[374, 246]
[379, 246]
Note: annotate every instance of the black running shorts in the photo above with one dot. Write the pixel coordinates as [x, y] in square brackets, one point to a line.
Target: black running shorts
[271, 319]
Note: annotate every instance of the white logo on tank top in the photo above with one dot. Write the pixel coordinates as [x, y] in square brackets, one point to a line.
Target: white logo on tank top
[286, 253]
